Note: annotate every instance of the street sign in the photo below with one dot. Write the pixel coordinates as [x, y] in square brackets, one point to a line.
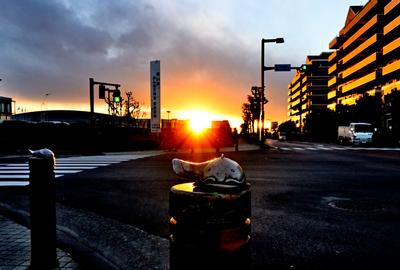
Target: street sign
[282, 67]
[155, 109]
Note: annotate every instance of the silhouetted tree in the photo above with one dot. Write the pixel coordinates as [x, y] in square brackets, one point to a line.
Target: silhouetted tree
[343, 114]
[289, 127]
[320, 125]
[133, 109]
[391, 109]
[251, 111]
[368, 109]
[247, 125]
[391, 112]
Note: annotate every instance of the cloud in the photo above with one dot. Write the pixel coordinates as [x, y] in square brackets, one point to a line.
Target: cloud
[55, 46]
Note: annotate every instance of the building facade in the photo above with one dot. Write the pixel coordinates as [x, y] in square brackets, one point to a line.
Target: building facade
[5, 108]
[309, 89]
[366, 56]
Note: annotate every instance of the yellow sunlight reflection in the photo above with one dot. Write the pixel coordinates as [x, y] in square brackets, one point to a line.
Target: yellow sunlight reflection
[199, 120]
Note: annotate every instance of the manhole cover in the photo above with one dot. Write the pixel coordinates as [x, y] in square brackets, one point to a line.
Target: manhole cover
[355, 205]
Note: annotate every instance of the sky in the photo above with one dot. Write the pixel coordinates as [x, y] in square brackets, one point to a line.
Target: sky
[209, 50]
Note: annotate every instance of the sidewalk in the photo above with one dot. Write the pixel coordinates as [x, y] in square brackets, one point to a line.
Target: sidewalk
[95, 241]
[15, 248]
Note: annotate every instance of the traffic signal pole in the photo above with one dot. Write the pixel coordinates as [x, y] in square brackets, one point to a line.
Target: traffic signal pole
[261, 127]
[91, 96]
[92, 83]
[263, 100]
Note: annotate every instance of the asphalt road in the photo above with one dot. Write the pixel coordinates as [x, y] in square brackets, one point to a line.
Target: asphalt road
[313, 206]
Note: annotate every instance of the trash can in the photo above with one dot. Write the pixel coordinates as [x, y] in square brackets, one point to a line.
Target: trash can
[209, 229]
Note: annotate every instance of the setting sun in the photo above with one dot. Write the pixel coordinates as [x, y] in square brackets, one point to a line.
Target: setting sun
[198, 125]
[198, 120]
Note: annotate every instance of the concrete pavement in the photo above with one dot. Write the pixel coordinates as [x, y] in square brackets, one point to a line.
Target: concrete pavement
[15, 248]
[95, 242]
[295, 225]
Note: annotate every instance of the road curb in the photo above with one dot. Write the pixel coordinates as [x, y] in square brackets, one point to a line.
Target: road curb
[86, 257]
[101, 254]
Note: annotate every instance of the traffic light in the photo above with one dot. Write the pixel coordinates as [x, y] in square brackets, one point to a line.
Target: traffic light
[117, 96]
[304, 68]
[102, 91]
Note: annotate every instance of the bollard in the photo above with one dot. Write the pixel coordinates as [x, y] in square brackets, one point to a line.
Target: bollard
[209, 229]
[42, 210]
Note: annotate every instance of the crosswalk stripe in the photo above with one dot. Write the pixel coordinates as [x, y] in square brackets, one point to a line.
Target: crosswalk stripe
[331, 148]
[60, 164]
[13, 183]
[57, 167]
[27, 171]
[67, 165]
[20, 176]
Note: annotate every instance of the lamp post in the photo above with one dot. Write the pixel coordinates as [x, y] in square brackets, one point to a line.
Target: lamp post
[169, 124]
[263, 100]
[168, 112]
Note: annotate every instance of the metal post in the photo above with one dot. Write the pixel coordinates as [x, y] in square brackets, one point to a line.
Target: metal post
[42, 210]
[262, 93]
[91, 96]
[263, 68]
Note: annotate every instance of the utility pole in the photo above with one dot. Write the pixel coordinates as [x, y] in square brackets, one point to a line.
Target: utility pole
[263, 99]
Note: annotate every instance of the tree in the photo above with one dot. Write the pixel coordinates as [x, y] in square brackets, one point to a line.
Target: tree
[391, 112]
[368, 109]
[321, 125]
[251, 110]
[133, 109]
[247, 125]
[289, 128]
[343, 114]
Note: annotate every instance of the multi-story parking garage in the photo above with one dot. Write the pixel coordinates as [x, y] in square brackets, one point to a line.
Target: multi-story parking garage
[365, 59]
[308, 90]
[366, 56]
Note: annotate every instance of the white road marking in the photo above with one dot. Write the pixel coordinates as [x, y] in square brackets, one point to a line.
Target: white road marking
[69, 165]
[13, 183]
[330, 148]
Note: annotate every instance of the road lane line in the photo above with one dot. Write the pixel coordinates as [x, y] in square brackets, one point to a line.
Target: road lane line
[13, 183]
[57, 167]
[324, 148]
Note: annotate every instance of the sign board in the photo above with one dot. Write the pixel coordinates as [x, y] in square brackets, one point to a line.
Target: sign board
[155, 120]
[283, 67]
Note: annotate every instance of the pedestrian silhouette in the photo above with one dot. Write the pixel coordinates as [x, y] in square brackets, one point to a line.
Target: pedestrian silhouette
[235, 137]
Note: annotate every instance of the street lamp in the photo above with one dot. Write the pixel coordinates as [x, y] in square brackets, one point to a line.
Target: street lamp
[168, 112]
[263, 100]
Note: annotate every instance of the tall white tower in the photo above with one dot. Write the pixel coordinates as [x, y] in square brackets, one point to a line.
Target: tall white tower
[155, 96]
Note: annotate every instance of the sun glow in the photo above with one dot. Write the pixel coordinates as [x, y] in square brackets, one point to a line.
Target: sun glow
[198, 120]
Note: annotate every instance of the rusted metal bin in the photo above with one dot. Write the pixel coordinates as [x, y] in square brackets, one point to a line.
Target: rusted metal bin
[209, 229]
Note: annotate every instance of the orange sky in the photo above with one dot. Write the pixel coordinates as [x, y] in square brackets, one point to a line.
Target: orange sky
[180, 94]
[209, 50]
